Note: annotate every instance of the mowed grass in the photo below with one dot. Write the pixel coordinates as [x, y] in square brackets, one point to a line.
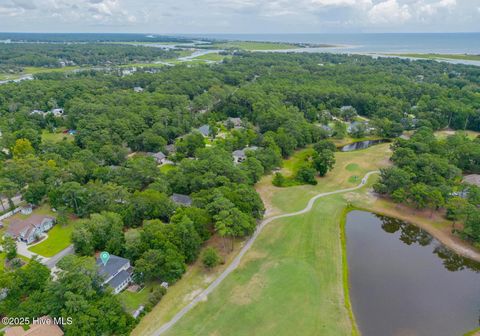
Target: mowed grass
[56, 136]
[252, 45]
[292, 280]
[59, 238]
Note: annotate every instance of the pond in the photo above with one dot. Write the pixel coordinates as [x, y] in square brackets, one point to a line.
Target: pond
[361, 145]
[404, 282]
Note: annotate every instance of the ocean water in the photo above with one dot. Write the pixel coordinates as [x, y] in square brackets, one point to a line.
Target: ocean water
[446, 43]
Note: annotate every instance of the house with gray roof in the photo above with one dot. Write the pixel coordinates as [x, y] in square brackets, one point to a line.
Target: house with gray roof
[159, 157]
[30, 229]
[116, 273]
[240, 155]
[204, 130]
[181, 199]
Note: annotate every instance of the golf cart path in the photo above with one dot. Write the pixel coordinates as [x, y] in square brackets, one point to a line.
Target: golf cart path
[234, 264]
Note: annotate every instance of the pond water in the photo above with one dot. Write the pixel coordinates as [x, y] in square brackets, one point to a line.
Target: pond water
[361, 145]
[404, 282]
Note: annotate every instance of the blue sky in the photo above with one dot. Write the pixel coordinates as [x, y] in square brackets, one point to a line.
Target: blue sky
[240, 16]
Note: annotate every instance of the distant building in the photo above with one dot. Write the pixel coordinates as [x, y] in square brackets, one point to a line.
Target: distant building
[240, 155]
[38, 112]
[472, 179]
[26, 210]
[181, 199]
[58, 112]
[236, 122]
[159, 157]
[205, 130]
[44, 327]
[30, 229]
[116, 273]
[138, 89]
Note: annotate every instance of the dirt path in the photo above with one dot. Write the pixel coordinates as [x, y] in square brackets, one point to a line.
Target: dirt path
[202, 296]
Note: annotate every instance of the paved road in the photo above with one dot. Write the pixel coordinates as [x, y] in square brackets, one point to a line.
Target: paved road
[244, 250]
[4, 204]
[52, 262]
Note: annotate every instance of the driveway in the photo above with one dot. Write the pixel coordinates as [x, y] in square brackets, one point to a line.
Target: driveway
[22, 249]
[5, 205]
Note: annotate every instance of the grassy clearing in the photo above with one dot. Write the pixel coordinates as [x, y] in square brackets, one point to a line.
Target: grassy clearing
[56, 136]
[59, 238]
[475, 332]
[131, 301]
[212, 57]
[445, 133]
[165, 168]
[252, 45]
[465, 57]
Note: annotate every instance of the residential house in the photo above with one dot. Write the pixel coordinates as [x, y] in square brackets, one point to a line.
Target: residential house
[240, 155]
[116, 273]
[138, 89]
[236, 122]
[39, 112]
[58, 112]
[181, 199]
[159, 157]
[44, 326]
[204, 130]
[30, 229]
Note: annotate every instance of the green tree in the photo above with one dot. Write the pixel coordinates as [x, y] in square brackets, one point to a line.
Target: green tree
[210, 257]
[306, 174]
[9, 247]
[324, 161]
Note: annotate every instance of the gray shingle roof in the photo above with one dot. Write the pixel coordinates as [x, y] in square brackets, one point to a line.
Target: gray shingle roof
[113, 265]
[205, 130]
[118, 279]
[181, 199]
[158, 156]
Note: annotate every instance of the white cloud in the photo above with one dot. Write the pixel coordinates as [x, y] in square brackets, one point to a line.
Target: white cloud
[240, 15]
[389, 12]
[88, 11]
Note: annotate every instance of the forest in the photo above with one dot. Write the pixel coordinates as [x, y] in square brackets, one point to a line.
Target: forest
[105, 176]
[15, 56]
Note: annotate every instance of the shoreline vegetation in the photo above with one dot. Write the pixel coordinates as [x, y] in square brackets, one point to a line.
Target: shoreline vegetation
[433, 56]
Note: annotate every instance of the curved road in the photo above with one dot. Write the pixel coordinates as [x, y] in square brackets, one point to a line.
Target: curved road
[244, 250]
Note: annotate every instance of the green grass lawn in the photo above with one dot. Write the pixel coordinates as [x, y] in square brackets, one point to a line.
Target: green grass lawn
[214, 57]
[56, 136]
[131, 301]
[59, 237]
[166, 168]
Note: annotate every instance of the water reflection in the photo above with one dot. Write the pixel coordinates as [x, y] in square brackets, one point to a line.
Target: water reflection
[361, 145]
[411, 234]
[403, 281]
